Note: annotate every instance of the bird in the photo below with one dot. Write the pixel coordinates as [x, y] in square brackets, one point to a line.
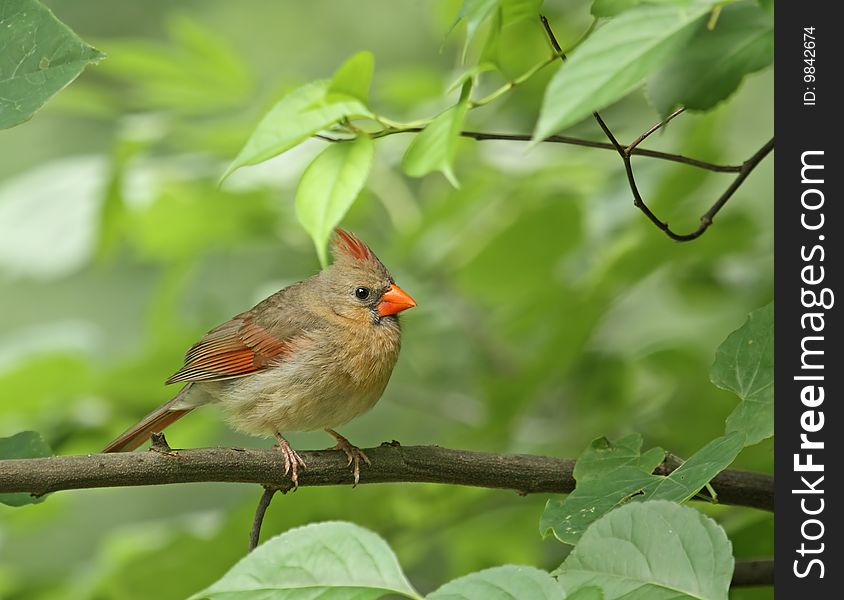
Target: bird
[311, 356]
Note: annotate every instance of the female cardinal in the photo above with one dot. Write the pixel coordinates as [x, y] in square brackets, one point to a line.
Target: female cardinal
[311, 356]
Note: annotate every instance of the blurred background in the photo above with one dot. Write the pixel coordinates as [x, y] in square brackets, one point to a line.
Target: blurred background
[550, 310]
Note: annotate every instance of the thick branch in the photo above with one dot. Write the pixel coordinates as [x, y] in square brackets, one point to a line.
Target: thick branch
[753, 572]
[391, 463]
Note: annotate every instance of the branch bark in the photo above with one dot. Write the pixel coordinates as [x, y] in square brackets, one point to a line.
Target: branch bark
[482, 136]
[753, 572]
[391, 463]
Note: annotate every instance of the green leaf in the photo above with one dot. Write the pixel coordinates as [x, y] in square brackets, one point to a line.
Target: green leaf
[715, 62]
[502, 13]
[295, 118]
[516, 11]
[610, 474]
[332, 559]
[607, 474]
[611, 8]
[684, 482]
[744, 364]
[354, 77]
[507, 12]
[26, 444]
[604, 458]
[435, 146]
[656, 550]
[474, 13]
[329, 187]
[614, 60]
[587, 593]
[491, 49]
[470, 73]
[501, 583]
[39, 56]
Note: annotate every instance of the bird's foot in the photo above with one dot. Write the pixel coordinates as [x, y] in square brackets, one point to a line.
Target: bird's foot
[292, 460]
[353, 453]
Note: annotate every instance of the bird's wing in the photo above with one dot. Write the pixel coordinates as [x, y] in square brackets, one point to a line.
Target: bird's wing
[236, 348]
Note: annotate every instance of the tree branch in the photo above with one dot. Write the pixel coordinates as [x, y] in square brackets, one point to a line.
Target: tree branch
[753, 572]
[391, 463]
[625, 153]
[260, 511]
[562, 139]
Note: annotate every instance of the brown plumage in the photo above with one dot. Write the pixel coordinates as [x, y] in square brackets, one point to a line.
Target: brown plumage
[311, 356]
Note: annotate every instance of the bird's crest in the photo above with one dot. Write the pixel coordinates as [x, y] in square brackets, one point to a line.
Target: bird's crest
[346, 244]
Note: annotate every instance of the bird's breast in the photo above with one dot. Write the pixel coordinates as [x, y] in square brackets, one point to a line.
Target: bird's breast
[330, 380]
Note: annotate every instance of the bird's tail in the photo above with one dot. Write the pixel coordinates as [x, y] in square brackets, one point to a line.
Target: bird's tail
[154, 422]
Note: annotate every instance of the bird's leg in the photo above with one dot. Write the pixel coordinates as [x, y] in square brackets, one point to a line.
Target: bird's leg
[292, 460]
[353, 453]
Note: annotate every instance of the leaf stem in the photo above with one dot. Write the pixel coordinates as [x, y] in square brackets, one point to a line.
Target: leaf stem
[514, 82]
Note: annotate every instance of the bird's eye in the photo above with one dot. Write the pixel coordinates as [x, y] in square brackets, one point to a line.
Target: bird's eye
[362, 293]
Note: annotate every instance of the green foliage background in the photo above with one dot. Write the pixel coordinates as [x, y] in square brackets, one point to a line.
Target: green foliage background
[550, 311]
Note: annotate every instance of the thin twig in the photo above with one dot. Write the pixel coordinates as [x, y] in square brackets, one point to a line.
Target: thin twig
[260, 511]
[512, 83]
[391, 463]
[629, 149]
[626, 152]
[706, 219]
[557, 139]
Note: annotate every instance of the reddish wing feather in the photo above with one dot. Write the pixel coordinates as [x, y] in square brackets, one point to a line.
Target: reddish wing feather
[235, 348]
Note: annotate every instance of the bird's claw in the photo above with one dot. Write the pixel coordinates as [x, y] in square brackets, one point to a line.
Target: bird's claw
[292, 460]
[354, 454]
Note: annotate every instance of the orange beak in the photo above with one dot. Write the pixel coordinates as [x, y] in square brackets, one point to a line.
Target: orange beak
[394, 301]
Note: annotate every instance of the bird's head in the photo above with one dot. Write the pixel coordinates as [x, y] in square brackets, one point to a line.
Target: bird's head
[358, 286]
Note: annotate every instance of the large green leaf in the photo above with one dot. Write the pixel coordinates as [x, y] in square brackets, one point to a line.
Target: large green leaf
[688, 479]
[614, 60]
[329, 187]
[354, 77]
[609, 474]
[329, 560]
[505, 12]
[715, 62]
[588, 592]
[515, 11]
[295, 118]
[474, 13]
[39, 56]
[501, 583]
[435, 146]
[308, 110]
[610, 8]
[744, 364]
[656, 550]
[26, 444]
